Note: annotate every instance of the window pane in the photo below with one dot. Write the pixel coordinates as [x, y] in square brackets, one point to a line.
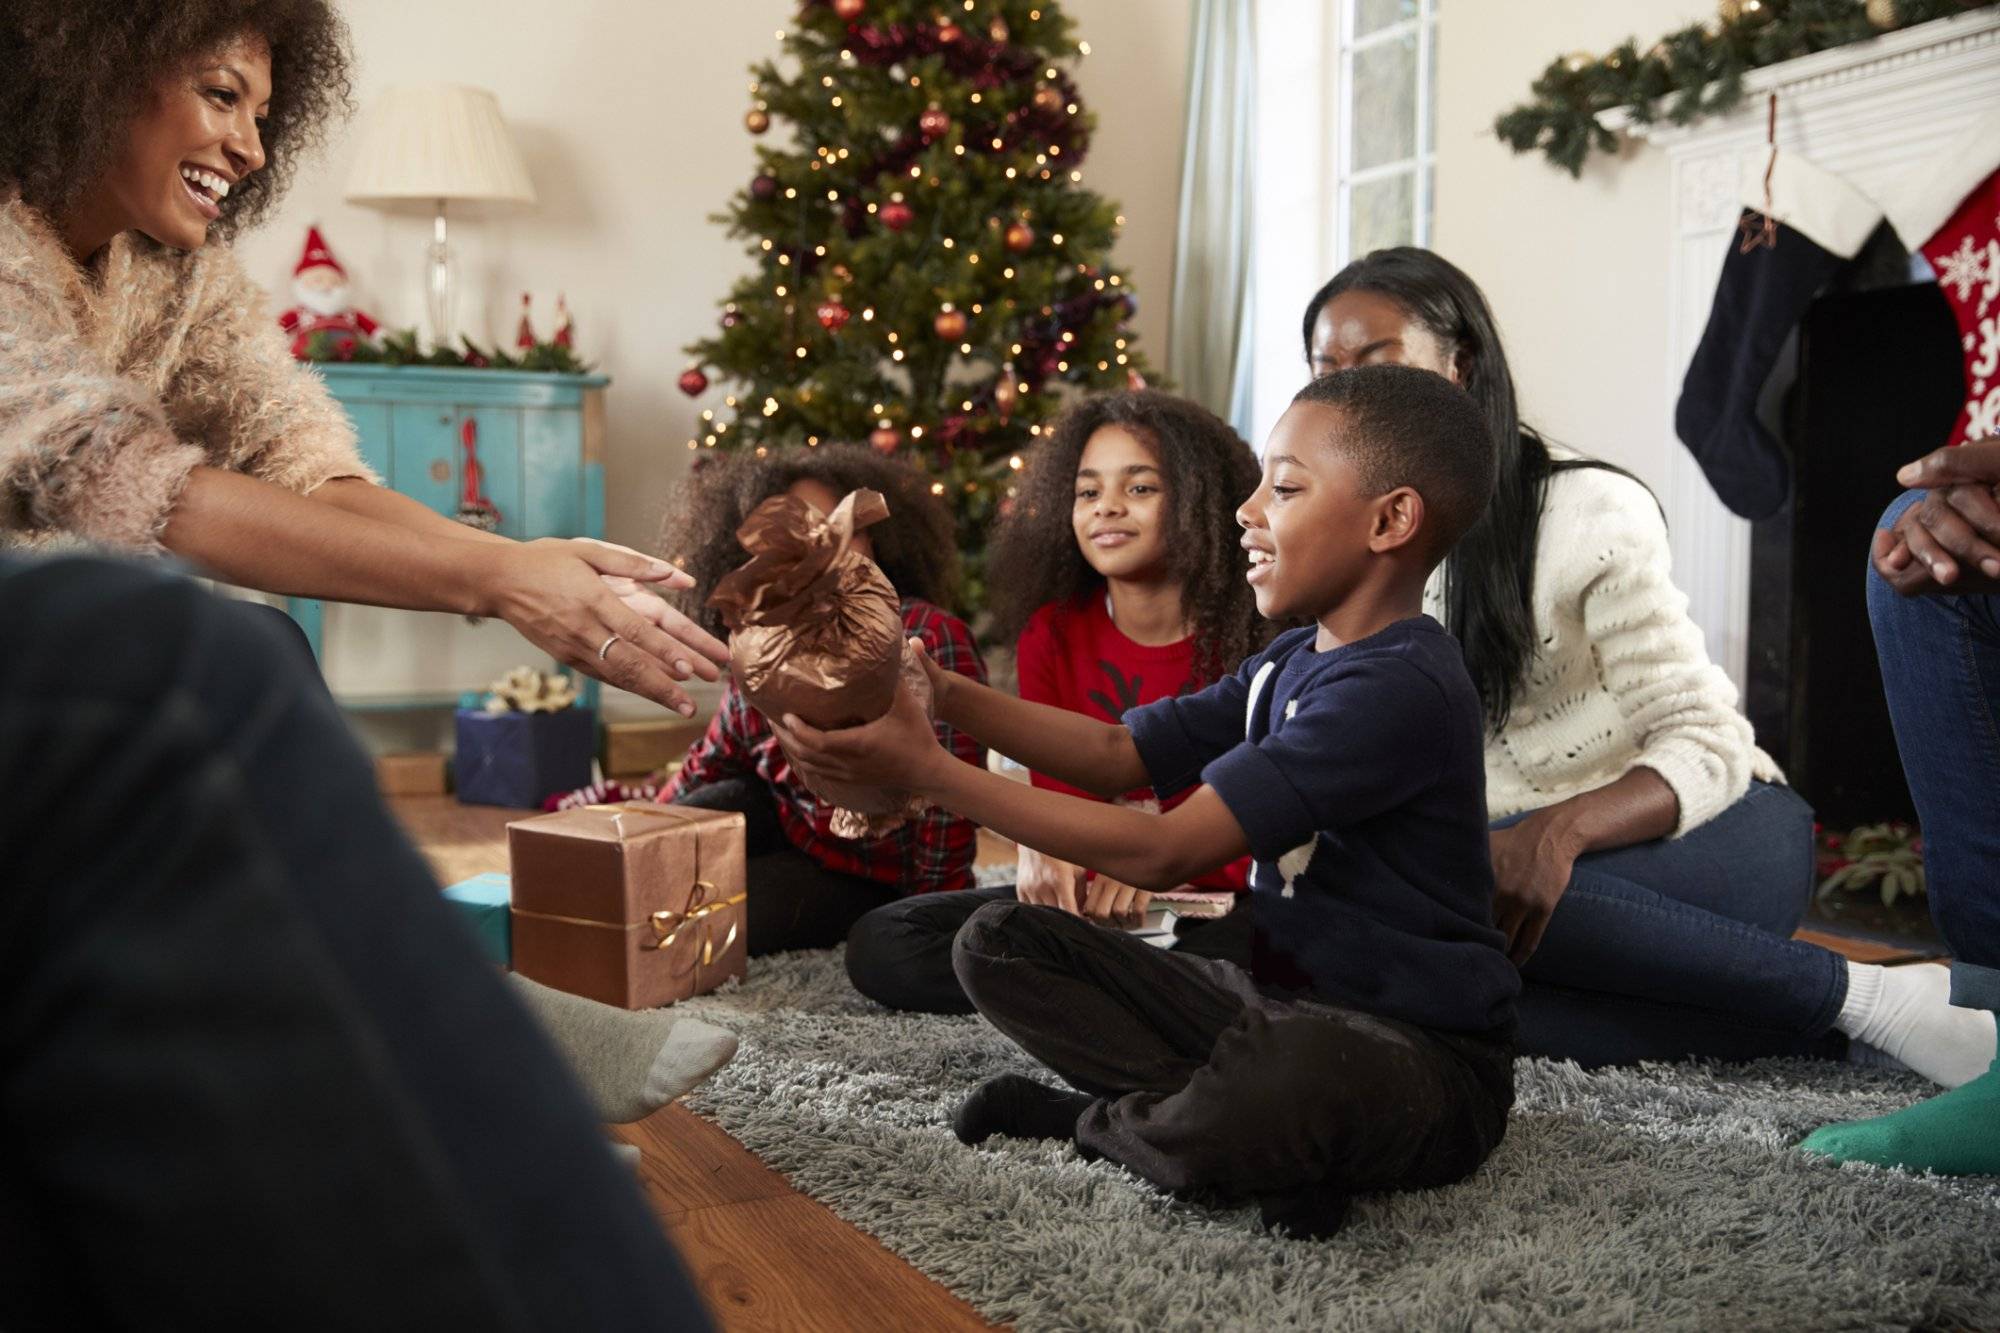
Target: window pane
[1382, 212]
[1431, 79]
[1383, 107]
[1372, 14]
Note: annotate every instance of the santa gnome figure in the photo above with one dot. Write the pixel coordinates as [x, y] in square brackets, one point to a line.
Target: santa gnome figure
[320, 286]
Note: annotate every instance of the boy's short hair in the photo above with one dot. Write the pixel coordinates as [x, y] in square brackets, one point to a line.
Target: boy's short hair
[1415, 428]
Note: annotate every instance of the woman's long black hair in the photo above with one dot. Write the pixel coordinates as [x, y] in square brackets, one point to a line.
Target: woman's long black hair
[1489, 576]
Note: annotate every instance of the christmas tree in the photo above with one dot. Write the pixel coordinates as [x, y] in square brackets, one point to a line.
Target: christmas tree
[930, 274]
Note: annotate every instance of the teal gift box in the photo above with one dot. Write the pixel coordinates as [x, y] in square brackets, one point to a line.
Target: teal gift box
[482, 902]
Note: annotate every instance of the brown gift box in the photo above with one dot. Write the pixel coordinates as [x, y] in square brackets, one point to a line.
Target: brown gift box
[636, 905]
[418, 773]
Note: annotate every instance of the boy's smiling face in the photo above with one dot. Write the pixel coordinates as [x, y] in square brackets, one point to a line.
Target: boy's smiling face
[1306, 529]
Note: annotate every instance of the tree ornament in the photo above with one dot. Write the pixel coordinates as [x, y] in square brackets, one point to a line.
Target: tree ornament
[1743, 11]
[933, 123]
[1048, 99]
[763, 187]
[949, 33]
[849, 10]
[1004, 396]
[693, 382]
[885, 439]
[1883, 15]
[757, 120]
[1019, 237]
[731, 317]
[1578, 61]
[950, 325]
[833, 316]
[565, 335]
[998, 31]
[896, 215]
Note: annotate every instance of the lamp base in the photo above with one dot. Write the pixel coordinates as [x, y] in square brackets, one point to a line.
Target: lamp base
[441, 285]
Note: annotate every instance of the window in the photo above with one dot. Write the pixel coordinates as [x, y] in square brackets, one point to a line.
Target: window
[1346, 91]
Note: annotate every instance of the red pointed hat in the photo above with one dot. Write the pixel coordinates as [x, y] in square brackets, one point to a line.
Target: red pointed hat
[317, 255]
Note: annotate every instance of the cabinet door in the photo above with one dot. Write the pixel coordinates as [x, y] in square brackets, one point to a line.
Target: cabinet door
[497, 433]
[371, 425]
[551, 480]
[425, 460]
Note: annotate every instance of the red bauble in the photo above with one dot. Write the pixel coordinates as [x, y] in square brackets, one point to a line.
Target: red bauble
[1019, 236]
[949, 32]
[763, 187]
[933, 123]
[849, 10]
[1134, 380]
[950, 325]
[832, 315]
[897, 215]
[693, 382]
[885, 439]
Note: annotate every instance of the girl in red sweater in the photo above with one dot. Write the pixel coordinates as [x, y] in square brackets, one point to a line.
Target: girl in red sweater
[1119, 572]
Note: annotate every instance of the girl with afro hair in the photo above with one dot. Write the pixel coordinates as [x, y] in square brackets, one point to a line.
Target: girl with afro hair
[1119, 575]
[806, 886]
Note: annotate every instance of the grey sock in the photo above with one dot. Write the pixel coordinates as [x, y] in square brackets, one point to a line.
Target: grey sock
[630, 1063]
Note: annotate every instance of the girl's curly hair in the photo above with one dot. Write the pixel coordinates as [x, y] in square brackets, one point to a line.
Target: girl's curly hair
[916, 546]
[73, 74]
[1207, 470]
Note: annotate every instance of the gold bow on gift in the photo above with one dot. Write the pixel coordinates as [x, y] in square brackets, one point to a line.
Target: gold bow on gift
[526, 690]
[668, 925]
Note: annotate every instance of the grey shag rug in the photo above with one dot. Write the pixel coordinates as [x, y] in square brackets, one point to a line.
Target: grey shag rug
[1660, 1197]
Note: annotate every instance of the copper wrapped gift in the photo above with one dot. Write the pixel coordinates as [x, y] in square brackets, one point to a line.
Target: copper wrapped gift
[817, 631]
[636, 905]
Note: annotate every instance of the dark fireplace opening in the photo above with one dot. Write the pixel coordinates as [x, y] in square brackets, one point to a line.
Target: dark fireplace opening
[1879, 383]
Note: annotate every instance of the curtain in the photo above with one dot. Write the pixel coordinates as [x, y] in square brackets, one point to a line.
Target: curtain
[1208, 339]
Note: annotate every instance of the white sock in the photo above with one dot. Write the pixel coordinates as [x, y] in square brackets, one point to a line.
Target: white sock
[1906, 1014]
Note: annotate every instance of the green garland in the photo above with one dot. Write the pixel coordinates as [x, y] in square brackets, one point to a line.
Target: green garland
[1695, 72]
[401, 348]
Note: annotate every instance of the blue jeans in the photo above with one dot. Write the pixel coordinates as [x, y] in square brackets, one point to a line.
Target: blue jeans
[253, 1072]
[1681, 948]
[1941, 670]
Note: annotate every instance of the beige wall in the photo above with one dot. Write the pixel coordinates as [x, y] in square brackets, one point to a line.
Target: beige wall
[629, 113]
[1576, 269]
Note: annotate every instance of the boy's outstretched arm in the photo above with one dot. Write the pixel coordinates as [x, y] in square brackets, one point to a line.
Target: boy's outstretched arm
[1147, 851]
[1096, 756]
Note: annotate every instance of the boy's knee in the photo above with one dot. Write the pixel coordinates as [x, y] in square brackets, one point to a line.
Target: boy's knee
[870, 955]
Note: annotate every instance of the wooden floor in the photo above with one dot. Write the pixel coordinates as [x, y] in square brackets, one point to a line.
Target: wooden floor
[764, 1255]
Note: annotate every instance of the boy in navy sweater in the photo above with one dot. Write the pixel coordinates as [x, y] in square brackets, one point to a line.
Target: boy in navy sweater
[1368, 1044]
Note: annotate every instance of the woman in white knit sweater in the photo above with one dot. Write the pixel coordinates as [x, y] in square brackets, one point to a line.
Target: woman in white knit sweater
[1650, 864]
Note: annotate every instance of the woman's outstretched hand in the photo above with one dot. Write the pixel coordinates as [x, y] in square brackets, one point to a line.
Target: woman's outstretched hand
[570, 597]
[891, 751]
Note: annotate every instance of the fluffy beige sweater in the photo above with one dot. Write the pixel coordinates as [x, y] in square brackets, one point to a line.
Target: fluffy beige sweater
[1622, 678]
[115, 385]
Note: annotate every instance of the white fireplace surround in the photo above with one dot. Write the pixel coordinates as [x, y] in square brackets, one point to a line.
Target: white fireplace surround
[1872, 113]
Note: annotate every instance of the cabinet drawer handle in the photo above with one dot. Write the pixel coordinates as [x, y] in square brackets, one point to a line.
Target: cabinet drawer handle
[440, 470]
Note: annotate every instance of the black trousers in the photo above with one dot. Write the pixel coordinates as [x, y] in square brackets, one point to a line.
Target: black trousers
[793, 901]
[1206, 1083]
[252, 1071]
[899, 955]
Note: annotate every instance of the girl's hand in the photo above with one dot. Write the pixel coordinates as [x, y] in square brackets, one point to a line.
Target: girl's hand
[555, 593]
[1047, 881]
[891, 751]
[1116, 904]
[1532, 864]
[941, 680]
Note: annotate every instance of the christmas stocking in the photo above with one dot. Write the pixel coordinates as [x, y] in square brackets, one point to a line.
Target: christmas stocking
[1951, 212]
[1788, 246]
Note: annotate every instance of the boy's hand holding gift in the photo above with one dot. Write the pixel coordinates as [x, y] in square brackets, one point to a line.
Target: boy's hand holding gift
[817, 634]
[893, 752]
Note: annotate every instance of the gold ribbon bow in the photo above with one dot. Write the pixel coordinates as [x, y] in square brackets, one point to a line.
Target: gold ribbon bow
[668, 925]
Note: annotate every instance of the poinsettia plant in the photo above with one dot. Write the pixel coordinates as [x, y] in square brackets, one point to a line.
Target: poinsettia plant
[1888, 858]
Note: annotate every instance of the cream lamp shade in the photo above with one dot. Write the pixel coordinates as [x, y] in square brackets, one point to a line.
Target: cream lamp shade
[437, 141]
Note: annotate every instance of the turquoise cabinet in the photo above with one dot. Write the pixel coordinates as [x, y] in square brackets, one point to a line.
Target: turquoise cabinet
[539, 440]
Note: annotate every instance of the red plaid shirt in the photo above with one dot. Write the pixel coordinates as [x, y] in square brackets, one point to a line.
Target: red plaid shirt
[930, 854]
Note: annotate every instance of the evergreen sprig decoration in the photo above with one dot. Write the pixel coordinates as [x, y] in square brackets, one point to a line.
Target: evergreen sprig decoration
[928, 272]
[1695, 72]
[402, 348]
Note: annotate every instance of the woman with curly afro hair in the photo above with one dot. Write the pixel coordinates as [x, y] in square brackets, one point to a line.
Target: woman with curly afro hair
[148, 402]
[1120, 576]
[808, 886]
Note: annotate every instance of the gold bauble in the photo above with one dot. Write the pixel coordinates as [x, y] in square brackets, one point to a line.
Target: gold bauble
[757, 120]
[1578, 61]
[1883, 14]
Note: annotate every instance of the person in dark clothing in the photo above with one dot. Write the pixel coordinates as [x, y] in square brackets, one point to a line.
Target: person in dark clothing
[252, 1071]
[1368, 1044]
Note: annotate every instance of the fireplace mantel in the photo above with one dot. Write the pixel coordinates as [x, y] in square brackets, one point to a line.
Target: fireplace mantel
[1871, 112]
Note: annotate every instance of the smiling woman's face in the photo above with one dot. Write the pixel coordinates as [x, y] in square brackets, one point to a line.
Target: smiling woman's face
[194, 138]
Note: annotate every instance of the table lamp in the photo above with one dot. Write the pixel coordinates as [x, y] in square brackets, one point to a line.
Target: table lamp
[439, 144]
